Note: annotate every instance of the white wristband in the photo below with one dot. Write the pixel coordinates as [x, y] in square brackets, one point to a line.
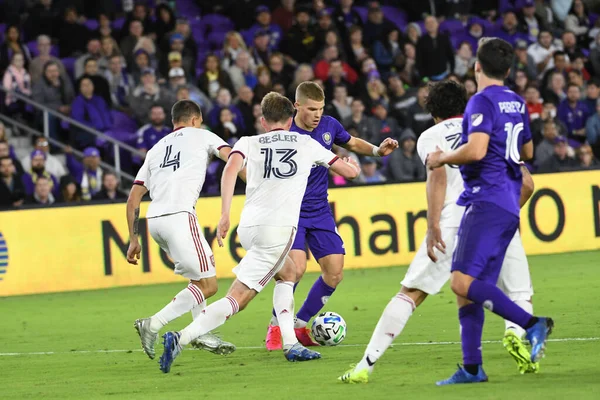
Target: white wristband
[376, 151]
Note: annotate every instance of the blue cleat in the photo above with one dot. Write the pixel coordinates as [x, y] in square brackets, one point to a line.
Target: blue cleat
[462, 376]
[537, 336]
[172, 350]
[300, 353]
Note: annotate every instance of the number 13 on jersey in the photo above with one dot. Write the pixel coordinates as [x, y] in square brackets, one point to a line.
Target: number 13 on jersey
[285, 167]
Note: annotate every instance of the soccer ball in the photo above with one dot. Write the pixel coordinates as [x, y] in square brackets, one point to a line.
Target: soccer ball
[329, 329]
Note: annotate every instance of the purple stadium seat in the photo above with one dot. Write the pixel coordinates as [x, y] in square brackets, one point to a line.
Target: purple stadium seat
[218, 22]
[32, 46]
[451, 26]
[123, 122]
[2, 29]
[188, 8]
[362, 11]
[91, 24]
[215, 39]
[118, 23]
[248, 37]
[69, 63]
[198, 32]
[397, 16]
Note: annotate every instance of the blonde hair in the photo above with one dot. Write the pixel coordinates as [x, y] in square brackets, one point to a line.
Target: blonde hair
[309, 91]
[239, 38]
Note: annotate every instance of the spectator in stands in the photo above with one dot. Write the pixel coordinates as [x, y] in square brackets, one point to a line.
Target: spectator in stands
[586, 158]
[545, 149]
[386, 50]
[264, 85]
[384, 125]
[36, 66]
[42, 192]
[174, 60]
[377, 26]
[304, 72]
[38, 169]
[136, 31]
[148, 93]
[570, 46]
[473, 32]
[188, 60]
[7, 151]
[110, 189]
[339, 105]
[243, 72]
[344, 17]
[464, 60]
[140, 13]
[530, 22]
[280, 71]
[245, 102]
[592, 93]
[405, 165]
[330, 54]
[369, 172]
[402, 98]
[232, 46]
[301, 42]
[142, 62]
[283, 15]
[523, 62]
[91, 110]
[177, 79]
[105, 28]
[182, 26]
[11, 45]
[578, 65]
[324, 25]
[101, 87]
[332, 39]
[12, 190]
[376, 92]
[595, 55]
[72, 35]
[94, 49]
[147, 44]
[53, 165]
[213, 78]
[363, 125]
[548, 114]
[578, 22]
[225, 128]
[337, 77]
[420, 119]
[555, 91]
[509, 30]
[543, 52]
[223, 100]
[17, 79]
[165, 21]
[150, 134]
[43, 19]
[257, 112]
[574, 113]
[435, 54]
[534, 102]
[560, 159]
[120, 83]
[470, 86]
[592, 129]
[108, 49]
[521, 83]
[88, 173]
[70, 192]
[263, 22]
[413, 33]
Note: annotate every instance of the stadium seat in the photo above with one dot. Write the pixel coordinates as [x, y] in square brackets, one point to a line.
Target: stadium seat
[451, 26]
[123, 122]
[69, 63]
[397, 16]
[118, 23]
[217, 22]
[91, 24]
[215, 39]
[362, 12]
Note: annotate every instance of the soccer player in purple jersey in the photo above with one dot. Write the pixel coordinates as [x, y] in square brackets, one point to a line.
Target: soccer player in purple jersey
[316, 227]
[495, 137]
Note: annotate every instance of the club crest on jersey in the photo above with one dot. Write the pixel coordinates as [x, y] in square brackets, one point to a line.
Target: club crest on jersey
[327, 137]
[476, 119]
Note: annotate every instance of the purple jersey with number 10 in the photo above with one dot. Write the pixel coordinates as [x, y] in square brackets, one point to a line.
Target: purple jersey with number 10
[502, 114]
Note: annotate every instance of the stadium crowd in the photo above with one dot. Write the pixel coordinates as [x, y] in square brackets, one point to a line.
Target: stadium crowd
[117, 66]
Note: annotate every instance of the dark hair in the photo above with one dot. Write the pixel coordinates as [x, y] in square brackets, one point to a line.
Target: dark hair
[558, 53]
[572, 84]
[446, 99]
[5, 158]
[495, 57]
[184, 110]
[276, 108]
[88, 60]
[544, 31]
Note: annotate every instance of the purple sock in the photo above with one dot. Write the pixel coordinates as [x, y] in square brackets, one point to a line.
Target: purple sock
[496, 301]
[273, 310]
[318, 295]
[471, 319]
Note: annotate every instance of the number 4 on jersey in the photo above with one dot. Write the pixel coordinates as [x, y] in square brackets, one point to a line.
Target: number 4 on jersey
[171, 162]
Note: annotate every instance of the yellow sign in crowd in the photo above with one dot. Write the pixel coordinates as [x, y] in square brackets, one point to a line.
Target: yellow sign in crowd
[79, 248]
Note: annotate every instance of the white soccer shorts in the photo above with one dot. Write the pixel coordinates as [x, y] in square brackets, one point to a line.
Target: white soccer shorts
[179, 235]
[266, 249]
[429, 277]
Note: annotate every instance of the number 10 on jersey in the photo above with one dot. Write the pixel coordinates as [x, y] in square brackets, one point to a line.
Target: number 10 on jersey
[286, 162]
[513, 152]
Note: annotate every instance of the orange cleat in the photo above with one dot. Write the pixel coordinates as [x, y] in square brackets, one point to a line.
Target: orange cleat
[273, 340]
[303, 336]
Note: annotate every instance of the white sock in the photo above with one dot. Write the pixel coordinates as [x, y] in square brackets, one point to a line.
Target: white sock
[196, 311]
[274, 320]
[283, 303]
[525, 305]
[182, 303]
[390, 325]
[213, 316]
[298, 323]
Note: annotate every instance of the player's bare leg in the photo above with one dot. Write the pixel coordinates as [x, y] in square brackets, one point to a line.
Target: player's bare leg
[390, 325]
[193, 297]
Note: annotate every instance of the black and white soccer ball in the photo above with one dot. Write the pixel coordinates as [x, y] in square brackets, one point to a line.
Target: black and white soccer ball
[329, 329]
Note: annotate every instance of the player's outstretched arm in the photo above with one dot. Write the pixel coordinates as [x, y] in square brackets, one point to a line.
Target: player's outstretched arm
[527, 187]
[474, 150]
[232, 168]
[436, 195]
[362, 147]
[347, 167]
[133, 219]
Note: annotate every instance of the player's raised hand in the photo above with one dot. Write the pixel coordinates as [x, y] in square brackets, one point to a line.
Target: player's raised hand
[222, 229]
[434, 240]
[433, 159]
[133, 252]
[387, 146]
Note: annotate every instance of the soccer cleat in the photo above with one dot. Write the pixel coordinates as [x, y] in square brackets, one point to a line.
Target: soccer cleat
[148, 339]
[172, 350]
[214, 344]
[300, 353]
[303, 336]
[354, 376]
[515, 347]
[462, 376]
[273, 340]
[537, 336]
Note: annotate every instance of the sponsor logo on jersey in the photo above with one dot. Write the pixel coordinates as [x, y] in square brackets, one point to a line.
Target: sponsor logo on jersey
[476, 119]
[324, 299]
[3, 256]
[327, 137]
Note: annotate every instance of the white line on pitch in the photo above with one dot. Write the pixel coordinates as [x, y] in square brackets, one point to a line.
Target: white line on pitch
[43, 353]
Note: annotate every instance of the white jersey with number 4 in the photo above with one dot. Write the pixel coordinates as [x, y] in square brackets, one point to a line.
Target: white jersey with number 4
[278, 164]
[447, 136]
[175, 168]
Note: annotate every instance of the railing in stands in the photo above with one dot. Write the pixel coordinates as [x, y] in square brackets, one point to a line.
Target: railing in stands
[46, 112]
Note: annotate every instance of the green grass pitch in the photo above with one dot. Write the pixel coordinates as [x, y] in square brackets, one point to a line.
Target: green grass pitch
[95, 350]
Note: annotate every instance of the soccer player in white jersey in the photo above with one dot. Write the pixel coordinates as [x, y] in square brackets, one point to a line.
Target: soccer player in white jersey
[278, 164]
[430, 269]
[173, 172]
